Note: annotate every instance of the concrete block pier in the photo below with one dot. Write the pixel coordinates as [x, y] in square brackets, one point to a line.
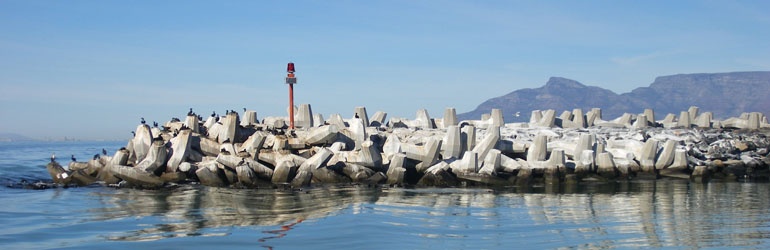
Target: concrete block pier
[226, 151]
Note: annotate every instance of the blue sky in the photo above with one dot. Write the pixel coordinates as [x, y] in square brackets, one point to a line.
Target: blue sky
[91, 69]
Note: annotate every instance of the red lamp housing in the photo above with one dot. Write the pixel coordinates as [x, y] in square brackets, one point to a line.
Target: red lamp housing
[290, 67]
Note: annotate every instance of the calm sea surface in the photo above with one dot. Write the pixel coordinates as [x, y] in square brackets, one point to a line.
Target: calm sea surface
[639, 214]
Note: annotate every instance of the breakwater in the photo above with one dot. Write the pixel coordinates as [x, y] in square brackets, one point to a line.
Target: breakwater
[238, 150]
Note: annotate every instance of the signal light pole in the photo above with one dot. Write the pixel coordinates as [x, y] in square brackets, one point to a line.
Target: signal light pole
[291, 80]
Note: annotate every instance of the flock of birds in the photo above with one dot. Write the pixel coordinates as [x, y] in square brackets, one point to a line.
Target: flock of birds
[164, 128]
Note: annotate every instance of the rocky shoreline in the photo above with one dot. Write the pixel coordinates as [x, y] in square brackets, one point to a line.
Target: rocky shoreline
[236, 150]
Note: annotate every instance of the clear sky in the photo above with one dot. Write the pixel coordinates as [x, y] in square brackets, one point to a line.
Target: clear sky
[91, 69]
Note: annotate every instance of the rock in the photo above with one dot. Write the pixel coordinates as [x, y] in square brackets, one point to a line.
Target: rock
[58, 174]
[606, 166]
[303, 118]
[452, 145]
[700, 174]
[396, 170]
[450, 118]
[488, 143]
[180, 149]
[285, 169]
[191, 122]
[137, 177]
[141, 142]
[437, 175]
[423, 120]
[666, 155]
[467, 138]
[360, 113]
[538, 149]
[491, 163]
[249, 118]
[211, 175]
[155, 161]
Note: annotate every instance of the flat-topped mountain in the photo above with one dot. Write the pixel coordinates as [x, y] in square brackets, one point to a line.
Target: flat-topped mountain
[724, 94]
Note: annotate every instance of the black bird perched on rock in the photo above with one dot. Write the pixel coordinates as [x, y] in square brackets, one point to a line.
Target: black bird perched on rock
[244, 110]
[96, 156]
[356, 115]
[73, 158]
[174, 119]
[133, 133]
[213, 113]
[104, 151]
[53, 157]
[143, 122]
[154, 124]
[189, 113]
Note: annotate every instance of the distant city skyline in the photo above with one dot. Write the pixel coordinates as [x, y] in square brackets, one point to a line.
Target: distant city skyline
[91, 69]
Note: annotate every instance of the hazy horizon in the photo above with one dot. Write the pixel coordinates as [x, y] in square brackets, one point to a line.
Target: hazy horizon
[90, 69]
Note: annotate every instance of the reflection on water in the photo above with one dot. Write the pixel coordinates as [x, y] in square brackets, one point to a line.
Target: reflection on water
[629, 214]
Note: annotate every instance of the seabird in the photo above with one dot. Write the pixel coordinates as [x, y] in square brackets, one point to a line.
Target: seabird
[244, 110]
[356, 115]
[213, 113]
[190, 112]
[133, 133]
[143, 122]
[53, 157]
[154, 124]
[104, 151]
[73, 158]
[96, 156]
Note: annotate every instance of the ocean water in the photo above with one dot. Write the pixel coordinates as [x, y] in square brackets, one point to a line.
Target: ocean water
[637, 214]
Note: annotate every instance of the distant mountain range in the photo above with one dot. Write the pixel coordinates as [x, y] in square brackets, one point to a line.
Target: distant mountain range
[9, 137]
[724, 94]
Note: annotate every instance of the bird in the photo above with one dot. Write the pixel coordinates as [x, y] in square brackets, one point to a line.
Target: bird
[154, 124]
[96, 157]
[143, 122]
[133, 133]
[356, 115]
[104, 151]
[244, 110]
[73, 158]
[53, 157]
[213, 113]
[190, 112]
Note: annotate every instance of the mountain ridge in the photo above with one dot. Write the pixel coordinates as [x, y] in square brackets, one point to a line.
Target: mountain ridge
[725, 94]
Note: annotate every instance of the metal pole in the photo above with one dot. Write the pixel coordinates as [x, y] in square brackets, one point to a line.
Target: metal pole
[291, 106]
[291, 80]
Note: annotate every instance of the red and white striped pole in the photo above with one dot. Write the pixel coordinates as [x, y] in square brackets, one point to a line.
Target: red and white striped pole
[291, 80]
